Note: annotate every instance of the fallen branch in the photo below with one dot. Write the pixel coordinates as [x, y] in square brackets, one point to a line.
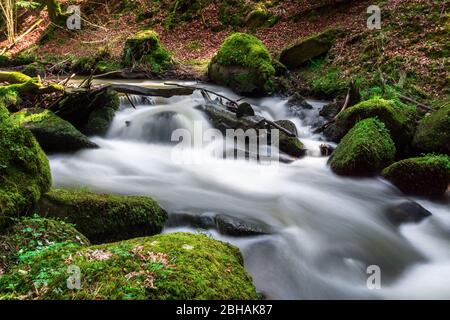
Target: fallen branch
[165, 92]
[418, 104]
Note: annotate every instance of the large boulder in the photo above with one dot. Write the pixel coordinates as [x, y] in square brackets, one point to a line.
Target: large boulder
[399, 123]
[33, 234]
[365, 150]
[243, 64]
[423, 176]
[144, 48]
[53, 133]
[103, 217]
[433, 133]
[306, 49]
[24, 169]
[91, 112]
[177, 266]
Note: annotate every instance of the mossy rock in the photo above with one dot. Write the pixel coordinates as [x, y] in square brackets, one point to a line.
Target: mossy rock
[243, 64]
[30, 235]
[290, 145]
[423, 176]
[365, 150]
[145, 48]
[177, 266]
[399, 123]
[260, 17]
[24, 170]
[306, 49]
[53, 133]
[104, 217]
[91, 112]
[433, 133]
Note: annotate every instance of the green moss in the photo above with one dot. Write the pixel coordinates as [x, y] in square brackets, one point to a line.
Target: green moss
[308, 48]
[424, 176]
[245, 50]
[398, 121]
[244, 64]
[433, 132]
[31, 235]
[13, 77]
[53, 133]
[103, 217]
[170, 266]
[24, 170]
[144, 48]
[365, 150]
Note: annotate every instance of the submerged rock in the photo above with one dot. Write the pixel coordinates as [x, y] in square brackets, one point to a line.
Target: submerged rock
[406, 212]
[53, 133]
[24, 170]
[433, 133]
[164, 267]
[243, 64]
[241, 227]
[307, 49]
[103, 217]
[365, 150]
[422, 176]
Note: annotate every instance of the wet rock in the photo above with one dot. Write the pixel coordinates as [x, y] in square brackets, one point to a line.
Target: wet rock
[245, 110]
[406, 212]
[290, 145]
[241, 227]
[326, 150]
[299, 101]
[182, 219]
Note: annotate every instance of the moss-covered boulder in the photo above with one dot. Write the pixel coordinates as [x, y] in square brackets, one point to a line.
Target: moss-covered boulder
[243, 64]
[33, 234]
[145, 48]
[260, 17]
[423, 176]
[164, 267]
[433, 133]
[400, 123]
[53, 133]
[91, 112]
[103, 217]
[365, 150]
[306, 49]
[24, 169]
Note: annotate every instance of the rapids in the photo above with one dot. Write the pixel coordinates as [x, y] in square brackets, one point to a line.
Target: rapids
[328, 228]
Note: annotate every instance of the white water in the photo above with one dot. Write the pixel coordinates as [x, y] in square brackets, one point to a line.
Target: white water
[329, 228]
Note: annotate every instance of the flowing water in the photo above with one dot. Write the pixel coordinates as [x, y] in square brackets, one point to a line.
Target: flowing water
[329, 229]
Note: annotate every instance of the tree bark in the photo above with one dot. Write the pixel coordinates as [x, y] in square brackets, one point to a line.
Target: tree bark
[54, 11]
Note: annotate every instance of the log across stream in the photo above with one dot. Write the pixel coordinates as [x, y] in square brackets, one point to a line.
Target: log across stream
[324, 230]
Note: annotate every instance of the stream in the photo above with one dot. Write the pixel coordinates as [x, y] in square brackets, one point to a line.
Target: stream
[328, 229]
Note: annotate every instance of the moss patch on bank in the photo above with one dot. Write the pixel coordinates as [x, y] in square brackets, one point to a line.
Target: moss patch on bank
[170, 266]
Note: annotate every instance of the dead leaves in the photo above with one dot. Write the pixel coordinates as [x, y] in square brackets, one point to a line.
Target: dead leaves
[148, 278]
[149, 256]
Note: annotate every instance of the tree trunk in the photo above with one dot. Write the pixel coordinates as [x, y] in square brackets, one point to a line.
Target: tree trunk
[54, 11]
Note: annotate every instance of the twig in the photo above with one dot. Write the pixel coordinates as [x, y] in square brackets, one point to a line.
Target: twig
[129, 100]
[30, 29]
[206, 90]
[418, 104]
